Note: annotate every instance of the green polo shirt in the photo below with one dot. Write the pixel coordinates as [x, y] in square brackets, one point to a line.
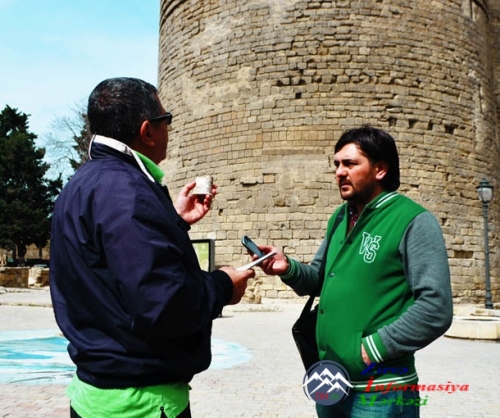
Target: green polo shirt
[144, 402]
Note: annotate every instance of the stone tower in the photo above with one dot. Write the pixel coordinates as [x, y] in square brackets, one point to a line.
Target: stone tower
[262, 89]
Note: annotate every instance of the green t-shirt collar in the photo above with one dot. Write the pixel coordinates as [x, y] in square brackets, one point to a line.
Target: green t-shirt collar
[153, 169]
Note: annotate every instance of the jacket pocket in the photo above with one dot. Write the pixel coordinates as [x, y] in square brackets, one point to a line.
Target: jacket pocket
[346, 350]
[357, 364]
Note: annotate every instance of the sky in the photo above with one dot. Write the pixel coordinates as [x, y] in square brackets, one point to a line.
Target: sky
[54, 52]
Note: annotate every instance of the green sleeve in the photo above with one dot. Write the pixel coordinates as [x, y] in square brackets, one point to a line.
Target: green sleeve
[303, 278]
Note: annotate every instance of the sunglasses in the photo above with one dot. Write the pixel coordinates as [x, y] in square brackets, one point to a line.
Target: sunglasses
[167, 117]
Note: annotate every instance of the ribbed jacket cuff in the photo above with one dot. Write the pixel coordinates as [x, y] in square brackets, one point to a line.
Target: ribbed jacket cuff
[375, 348]
[291, 271]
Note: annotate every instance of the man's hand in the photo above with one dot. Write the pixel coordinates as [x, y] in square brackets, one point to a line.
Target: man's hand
[276, 265]
[239, 279]
[192, 207]
[364, 355]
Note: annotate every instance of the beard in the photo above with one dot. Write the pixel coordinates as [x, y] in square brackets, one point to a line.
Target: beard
[361, 196]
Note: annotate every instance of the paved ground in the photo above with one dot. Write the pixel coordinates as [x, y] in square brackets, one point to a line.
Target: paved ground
[268, 385]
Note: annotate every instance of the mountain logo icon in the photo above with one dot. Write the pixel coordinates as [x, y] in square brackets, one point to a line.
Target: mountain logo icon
[326, 382]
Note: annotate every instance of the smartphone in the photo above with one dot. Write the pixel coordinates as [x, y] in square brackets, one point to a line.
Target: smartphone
[256, 262]
[251, 246]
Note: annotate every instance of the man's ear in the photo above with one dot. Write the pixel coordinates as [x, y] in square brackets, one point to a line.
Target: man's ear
[381, 167]
[146, 134]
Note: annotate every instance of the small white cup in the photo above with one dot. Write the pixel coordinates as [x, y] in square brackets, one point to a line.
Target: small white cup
[203, 185]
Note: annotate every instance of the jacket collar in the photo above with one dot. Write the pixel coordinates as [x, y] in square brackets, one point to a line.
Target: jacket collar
[382, 199]
[121, 147]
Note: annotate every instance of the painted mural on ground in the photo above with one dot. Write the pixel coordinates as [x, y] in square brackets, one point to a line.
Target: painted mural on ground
[40, 357]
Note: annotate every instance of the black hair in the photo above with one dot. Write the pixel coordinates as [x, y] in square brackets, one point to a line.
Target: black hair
[377, 145]
[118, 106]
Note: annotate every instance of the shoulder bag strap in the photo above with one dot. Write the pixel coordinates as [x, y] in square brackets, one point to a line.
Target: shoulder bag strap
[321, 271]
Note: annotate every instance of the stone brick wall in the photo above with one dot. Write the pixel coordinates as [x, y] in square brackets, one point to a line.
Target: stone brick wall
[38, 277]
[262, 89]
[14, 276]
[495, 56]
[24, 277]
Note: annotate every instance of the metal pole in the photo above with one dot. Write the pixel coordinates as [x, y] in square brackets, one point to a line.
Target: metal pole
[488, 304]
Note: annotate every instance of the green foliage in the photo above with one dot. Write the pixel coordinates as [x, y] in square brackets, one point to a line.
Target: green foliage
[26, 197]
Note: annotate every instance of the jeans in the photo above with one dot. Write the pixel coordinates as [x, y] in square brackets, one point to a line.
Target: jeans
[184, 414]
[393, 404]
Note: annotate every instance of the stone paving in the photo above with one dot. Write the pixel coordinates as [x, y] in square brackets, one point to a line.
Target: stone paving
[269, 384]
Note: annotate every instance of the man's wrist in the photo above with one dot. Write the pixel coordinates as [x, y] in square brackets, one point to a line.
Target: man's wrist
[291, 269]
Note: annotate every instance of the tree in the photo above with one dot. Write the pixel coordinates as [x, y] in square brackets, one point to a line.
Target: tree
[81, 143]
[68, 142]
[26, 197]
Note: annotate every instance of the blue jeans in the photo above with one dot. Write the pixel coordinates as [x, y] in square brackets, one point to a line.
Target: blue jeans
[393, 404]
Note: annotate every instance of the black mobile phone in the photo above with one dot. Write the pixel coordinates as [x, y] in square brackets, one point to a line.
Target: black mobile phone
[251, 246]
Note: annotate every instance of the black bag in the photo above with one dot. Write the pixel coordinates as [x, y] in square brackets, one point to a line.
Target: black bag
[304, 329]
[304, 334]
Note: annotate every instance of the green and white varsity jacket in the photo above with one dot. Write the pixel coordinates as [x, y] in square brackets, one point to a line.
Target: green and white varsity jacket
[387, 286]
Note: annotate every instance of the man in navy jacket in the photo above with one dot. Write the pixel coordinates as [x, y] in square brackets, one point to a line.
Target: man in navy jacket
[127, 289]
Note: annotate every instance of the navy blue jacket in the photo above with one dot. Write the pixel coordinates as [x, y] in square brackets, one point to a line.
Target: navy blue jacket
[126, 286]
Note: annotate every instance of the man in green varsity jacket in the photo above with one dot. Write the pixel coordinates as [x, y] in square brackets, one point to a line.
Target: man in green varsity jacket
[386, 290]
